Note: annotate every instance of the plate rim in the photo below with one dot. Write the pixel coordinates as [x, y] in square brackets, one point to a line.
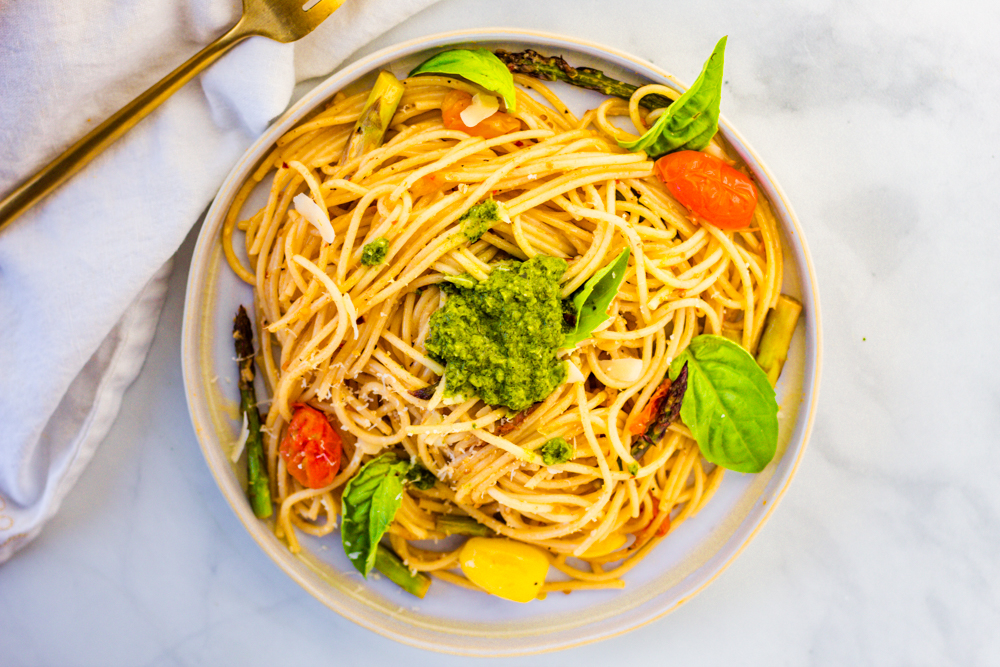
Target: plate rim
[191, 321]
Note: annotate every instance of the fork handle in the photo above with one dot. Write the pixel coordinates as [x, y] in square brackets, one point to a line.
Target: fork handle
[83, 151]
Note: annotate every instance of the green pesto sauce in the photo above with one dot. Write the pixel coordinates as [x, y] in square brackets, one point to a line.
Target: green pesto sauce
[479, 219]
[554, 451]
[498, 338]
[374, 253]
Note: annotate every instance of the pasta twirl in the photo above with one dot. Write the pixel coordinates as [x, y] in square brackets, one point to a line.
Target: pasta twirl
[348, 336]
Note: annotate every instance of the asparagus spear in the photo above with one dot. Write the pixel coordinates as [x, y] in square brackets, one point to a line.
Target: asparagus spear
[778, 329]
[258, 490]
[375, 116]
[666, 414]
[553, 68]
[457, 524]
[391, 566]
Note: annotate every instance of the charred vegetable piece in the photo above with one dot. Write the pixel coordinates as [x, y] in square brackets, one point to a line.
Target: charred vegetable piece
[389, 564]
[778, 329]
[668, 408]
[555, 68]
[375, 117]
[424, 393]
[458, 524]
[258, 491]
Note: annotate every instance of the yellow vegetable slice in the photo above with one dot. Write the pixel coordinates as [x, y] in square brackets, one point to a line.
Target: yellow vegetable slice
[613, 542]
[510, 570]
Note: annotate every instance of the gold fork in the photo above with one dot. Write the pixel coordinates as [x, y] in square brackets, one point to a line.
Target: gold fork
[280, 20]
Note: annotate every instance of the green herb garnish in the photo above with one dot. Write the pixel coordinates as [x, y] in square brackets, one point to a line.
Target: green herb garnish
[588, 306]
[556, 450]
[374, 253]
[691, 121]
[479, 219]
[479, 66]
[729, 404]
[370, 502]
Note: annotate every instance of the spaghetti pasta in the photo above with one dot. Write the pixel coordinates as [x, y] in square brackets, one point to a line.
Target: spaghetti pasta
[348, 337]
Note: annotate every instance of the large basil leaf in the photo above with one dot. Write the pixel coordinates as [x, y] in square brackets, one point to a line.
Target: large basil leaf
[691, 121]
[729, 404]
[370, 501]
[589, 304]
[479, 66]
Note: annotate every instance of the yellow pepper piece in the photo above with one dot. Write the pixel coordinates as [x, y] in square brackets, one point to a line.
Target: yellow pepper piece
[613, 542]
[510, 570]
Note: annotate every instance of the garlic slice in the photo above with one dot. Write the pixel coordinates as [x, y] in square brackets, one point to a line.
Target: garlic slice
[622, 370]
[573, 372]
[316, 215]
[483, 106]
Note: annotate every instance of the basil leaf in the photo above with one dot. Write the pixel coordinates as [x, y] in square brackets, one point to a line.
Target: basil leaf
[589, 304]
[480, 66]
[729, 404]
[370, 501]
[691, 121]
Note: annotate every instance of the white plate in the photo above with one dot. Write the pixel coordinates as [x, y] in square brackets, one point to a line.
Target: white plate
[452, 619]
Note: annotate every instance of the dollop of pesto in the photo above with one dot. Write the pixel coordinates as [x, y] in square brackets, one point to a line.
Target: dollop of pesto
[374, 253]
[498, 338]
[479, 219]
[556, 450]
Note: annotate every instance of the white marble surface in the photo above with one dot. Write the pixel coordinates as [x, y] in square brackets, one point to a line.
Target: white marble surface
[877, 118]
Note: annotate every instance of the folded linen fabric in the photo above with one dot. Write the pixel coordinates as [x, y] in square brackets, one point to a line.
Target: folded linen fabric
[83, 274]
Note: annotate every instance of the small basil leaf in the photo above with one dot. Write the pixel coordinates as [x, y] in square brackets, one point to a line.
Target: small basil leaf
[480, 66]
[729, 404]
[589, 304]
[370, 501]
[691, 121]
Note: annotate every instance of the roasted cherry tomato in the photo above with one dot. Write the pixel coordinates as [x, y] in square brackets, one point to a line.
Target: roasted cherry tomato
[455, 102]
[311, 448]
[709, 187]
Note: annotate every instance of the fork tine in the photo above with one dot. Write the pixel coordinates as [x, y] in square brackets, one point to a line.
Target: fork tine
[318, 10]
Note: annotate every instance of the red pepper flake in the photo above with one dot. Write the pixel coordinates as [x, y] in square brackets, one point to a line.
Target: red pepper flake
[284, 165]
[519, 144]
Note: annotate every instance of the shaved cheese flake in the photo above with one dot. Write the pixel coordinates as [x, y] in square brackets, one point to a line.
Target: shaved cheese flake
[316, 215]
[573, 372]
[622, 370]
[241, 440]
[352, 313]
[482, 107]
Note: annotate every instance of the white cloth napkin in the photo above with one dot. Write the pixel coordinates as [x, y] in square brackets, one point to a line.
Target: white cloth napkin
[83, 274]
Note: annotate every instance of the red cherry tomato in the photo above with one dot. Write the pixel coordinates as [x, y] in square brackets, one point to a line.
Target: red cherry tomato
[311, 448]
[456, 101]
[709, 187]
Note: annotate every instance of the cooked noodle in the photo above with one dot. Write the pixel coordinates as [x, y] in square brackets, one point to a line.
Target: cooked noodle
[349, 339]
